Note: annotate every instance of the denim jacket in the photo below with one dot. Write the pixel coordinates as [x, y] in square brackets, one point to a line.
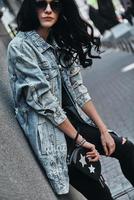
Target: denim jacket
[35, 78]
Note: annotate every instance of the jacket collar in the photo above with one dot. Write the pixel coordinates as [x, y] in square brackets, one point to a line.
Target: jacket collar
[39, 42]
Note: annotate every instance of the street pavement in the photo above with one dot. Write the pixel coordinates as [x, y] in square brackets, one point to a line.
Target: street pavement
[111, 88]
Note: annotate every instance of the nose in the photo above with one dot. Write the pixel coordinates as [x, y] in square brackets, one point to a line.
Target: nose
[48, 8]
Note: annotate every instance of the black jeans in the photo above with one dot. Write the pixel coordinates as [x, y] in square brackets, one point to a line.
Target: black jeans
[91, 189]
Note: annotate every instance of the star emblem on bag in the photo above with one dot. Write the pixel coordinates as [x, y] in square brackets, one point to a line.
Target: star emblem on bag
[92, 169]
[82, 160]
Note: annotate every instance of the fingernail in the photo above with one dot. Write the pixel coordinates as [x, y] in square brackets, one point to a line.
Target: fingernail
[89, 158]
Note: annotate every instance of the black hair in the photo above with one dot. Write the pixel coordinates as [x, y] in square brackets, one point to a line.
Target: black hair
[70, 32]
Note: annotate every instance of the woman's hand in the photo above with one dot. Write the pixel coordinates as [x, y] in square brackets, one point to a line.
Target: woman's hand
[106, 139]
[107, 142]
[92, 154]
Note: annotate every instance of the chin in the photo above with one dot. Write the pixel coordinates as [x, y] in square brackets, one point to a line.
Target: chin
[47, 25]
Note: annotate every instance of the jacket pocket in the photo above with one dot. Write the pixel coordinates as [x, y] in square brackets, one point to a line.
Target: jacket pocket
[49, 70]
[44, 143]
[42, 138]
[50, 73]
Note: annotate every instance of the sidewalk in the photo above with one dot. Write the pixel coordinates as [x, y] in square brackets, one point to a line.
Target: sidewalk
[120, 37]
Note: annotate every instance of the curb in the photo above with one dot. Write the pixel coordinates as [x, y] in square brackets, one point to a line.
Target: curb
[124, 40]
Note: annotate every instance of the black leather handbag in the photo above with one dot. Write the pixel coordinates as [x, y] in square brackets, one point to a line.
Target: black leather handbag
[76, 153]
[76, 157]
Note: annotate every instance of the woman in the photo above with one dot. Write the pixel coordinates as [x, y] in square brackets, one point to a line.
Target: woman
[47, 53]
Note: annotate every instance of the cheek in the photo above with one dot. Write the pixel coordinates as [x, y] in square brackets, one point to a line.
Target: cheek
[56, 17]
[39, 16]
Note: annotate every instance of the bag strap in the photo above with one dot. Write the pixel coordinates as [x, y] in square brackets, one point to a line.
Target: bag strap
[72, 148]
[74, 141]
[72, 105]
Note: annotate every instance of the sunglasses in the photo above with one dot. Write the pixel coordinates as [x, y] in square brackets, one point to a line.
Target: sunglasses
[55, 5]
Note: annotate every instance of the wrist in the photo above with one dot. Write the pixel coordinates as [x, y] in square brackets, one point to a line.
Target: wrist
[80, 141]
[103, 130]
[101, 125]
[86, 144]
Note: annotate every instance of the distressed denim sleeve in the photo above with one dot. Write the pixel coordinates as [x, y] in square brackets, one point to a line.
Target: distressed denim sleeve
[32, 83]
[81, 92]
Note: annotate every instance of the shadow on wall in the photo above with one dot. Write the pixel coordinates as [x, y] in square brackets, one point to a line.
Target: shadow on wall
[4, 37]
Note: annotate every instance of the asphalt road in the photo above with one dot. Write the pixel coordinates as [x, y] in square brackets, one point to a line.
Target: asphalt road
[111, 84]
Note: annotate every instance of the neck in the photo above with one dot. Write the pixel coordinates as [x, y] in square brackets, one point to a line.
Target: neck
[43, 33]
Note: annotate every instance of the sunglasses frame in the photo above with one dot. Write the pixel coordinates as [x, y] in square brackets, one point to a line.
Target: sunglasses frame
[55, 5]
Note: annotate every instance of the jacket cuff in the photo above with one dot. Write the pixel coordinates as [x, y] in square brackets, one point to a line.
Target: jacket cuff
[82, 95]
[83, 99]
[57, 116]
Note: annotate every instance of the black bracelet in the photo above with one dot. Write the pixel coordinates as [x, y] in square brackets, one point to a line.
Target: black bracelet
[76, 137]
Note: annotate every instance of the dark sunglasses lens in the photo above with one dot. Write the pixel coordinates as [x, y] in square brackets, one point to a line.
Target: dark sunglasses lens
[55, 5]
[41, 4]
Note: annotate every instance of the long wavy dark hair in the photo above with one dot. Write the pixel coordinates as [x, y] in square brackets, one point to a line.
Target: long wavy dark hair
[70, 32]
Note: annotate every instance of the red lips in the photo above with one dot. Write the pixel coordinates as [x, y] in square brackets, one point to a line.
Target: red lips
[48, 18]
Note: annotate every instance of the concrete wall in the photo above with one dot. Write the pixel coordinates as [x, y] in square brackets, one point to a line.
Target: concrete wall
[4, 37]
[14, 5]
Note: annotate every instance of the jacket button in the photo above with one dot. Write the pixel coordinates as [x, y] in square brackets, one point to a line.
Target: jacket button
[47, 76]
[16, 110]
[60, 66]
[32, 87]
[13, 77]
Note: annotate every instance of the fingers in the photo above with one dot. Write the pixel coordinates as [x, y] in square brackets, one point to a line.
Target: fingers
[111, 148]
[93, 155]
[108, 143]
[93, 159]
[105, 148]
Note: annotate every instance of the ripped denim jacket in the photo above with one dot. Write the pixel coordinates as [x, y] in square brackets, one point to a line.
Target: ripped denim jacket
[35, 78]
